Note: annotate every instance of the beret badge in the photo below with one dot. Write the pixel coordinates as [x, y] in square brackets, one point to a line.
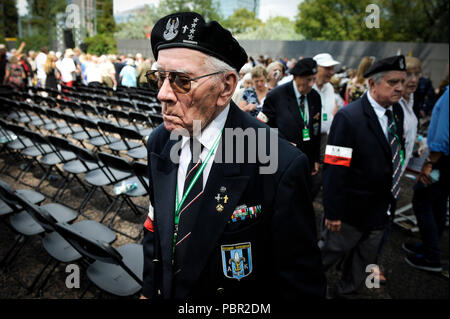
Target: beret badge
[171, 28]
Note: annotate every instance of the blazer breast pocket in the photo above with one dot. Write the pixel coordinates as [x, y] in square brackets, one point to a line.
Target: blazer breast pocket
[243, 218]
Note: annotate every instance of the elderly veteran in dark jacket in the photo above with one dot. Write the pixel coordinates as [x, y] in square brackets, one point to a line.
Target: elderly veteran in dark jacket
[362, 170]
[295, 109]
[222, 225]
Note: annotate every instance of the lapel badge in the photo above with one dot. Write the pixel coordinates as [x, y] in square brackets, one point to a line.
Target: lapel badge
[223, 189]
[218, 198]
[220, 208]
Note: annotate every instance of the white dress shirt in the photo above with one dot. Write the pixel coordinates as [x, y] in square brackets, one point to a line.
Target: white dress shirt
[409, 127]
[381, 114]
[328, 105]
[207, 138]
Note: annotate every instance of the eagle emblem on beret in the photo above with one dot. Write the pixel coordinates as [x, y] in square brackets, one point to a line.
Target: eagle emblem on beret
[171, 29]
[402, 64]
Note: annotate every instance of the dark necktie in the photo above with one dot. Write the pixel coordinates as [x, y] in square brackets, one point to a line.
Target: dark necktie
[396, 160]
[302, 107]
[188, 212]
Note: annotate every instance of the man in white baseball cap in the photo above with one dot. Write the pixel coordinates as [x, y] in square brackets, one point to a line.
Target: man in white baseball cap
[325, 71]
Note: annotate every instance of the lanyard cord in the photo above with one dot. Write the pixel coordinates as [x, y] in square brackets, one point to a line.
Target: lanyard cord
[301, 113]
[179, 204]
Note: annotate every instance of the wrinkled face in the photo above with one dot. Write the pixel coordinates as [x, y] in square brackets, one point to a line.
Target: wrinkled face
[412, 80]
[180, 110]
[259, 83]
[304, 83]
[389, 89]
[325, 73]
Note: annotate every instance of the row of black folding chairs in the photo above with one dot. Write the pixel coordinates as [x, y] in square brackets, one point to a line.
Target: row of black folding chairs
[88, 243]
[127, 135]
[99, 169]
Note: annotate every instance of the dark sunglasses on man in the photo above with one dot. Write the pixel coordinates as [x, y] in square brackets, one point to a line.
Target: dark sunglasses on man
[179, 81]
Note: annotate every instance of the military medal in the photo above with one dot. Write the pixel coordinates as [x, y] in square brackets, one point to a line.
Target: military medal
[219, 208]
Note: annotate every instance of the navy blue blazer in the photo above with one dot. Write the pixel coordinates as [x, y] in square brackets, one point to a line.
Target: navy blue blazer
[360, 194]
[282, 110]
[276, 249]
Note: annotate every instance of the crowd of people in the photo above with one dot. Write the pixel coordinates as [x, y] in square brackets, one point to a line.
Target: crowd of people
[49, 69]
[349, 132]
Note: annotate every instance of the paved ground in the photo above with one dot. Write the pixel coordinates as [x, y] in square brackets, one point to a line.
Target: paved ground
[404, 282]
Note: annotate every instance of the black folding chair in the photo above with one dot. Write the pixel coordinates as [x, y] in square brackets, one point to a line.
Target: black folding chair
[116, 271]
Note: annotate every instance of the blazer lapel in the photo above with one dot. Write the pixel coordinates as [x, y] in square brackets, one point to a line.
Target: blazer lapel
[293, 106]
[164, 173]
[374, 125]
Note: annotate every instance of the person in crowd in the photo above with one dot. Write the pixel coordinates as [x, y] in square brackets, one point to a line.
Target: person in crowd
[295, 109]
[128, 75]
[142, 70]
[431, 193]
[76, 59]
[15, 77]
[29, 75]
[210, 228]
[67, 69]
[335, 81]
[362, 170]
[275, 72]
[93, 72]
[424, 98]
[358, 85]
[325, 71]
[51, 72]
[247, 84]
[3, 62]
[107, 71]
[253, 98]
[247, 68]
[41, 58]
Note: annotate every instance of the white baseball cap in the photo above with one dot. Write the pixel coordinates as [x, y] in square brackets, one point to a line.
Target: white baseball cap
[325, 60]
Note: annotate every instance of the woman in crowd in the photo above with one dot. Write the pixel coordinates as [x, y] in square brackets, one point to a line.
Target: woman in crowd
[14, 74]
[253, 98]
[358, 85]
[51, 72]
[275, 71]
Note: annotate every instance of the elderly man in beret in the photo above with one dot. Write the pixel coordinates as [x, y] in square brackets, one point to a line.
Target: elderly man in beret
[295, 109]
[362, 169]
[218, 227]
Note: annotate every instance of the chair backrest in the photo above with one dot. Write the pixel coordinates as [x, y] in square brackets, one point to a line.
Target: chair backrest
[87, 123]
[115, 162]
[141, 170]
[156, 119]
[108, 127]
[39, 214]
[59, 143]
[129, 133]
[138, 117]
[83, 154]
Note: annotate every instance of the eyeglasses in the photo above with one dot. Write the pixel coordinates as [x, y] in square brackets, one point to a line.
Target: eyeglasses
[179, 81]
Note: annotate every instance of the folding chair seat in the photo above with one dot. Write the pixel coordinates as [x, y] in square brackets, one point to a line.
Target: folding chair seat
[44, 221]
[139, 186]
[116, 271]
[140, 123]
[97, 138]
[29, 118]
[20, 142]
[90, 112]
[41, 115]
[86, 134]
[97, 178]
[61, 125]
[128, 139]
[16, 114]
[144, 108]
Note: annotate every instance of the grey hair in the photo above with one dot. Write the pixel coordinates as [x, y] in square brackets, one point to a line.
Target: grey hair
[215, 65]
[376, 78]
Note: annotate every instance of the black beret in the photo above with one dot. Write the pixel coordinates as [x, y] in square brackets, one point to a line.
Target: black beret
[393, 63]
[189, 30]
[304, 67]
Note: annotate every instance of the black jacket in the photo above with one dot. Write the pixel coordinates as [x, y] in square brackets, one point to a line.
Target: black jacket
[282, 111]
[360, 194]
[283, 261]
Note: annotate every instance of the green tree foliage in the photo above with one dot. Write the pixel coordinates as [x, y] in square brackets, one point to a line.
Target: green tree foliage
[104, 42]
[207, 8]
[242, 21]
[8, 19]
[38, 27]
[277, 28]
[400, 20]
